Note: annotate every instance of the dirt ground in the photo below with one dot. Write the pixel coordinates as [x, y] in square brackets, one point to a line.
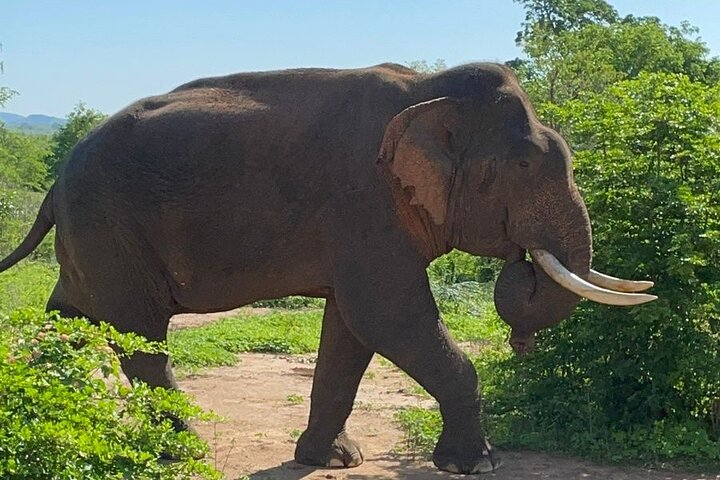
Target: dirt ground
[265, 401]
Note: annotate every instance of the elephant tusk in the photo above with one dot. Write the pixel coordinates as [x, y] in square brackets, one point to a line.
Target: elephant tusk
[618, 284]
[578, 286]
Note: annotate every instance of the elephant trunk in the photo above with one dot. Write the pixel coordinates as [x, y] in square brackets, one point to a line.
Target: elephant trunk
[531, 296]
[528, 299]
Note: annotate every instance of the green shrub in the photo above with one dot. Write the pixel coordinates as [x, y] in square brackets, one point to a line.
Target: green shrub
[459, 267]
[79, 123]
[65, 414]
[463, 298]
[643, 382]
[421, 429]
[18, 209]
[22, 159]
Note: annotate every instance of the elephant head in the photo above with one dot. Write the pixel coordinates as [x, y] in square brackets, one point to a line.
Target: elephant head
[474, 169]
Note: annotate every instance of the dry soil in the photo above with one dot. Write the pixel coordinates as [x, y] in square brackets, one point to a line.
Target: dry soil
[265, 402]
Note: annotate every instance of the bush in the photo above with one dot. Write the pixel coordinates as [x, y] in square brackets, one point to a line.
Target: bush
[468, 298]
[458, 267]
[421, 429]
[22, 159]
[18, 209]
[463, 284]
[65, 414]
[79, 123]
[643, 382]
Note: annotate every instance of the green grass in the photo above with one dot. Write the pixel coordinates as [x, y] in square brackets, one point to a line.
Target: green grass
[295, 399]
[421, 428]
[27, 284]
[218, 344]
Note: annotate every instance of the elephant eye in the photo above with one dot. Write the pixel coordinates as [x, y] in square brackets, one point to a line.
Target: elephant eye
[524, 163]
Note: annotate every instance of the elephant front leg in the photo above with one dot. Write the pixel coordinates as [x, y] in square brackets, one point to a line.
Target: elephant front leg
[396, 317]
[341, 362]
[462, 446]
[436, 363]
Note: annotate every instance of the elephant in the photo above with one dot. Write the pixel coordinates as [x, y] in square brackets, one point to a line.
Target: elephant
[340, 184]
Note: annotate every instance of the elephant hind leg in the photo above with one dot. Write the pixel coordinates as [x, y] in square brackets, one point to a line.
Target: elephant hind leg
[341, 362]
[134, 310]
[141, 315]
[60, 302]
[107, 277]
[153, 369]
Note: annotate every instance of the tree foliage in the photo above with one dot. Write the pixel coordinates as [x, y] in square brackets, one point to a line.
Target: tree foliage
[581, 56]
[28, 166]
[640, 105]
[80, 121]
[554, 17]
[5, 95]
[422, 66]
[22, 160]
[23, 180]
[5, 92]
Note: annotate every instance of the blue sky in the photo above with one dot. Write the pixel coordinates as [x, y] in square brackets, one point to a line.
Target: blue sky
[109, 53]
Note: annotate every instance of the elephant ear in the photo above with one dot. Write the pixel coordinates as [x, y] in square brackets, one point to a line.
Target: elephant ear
[417, 150]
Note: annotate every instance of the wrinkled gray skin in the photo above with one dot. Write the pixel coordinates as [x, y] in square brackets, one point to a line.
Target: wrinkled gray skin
[342, 184]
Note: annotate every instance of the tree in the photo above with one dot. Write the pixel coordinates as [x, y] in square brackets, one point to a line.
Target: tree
[21, 160]
[639, 102]
[641, 382]
[5, 93]
[422, 66]
[553, 17]
[23, 177]
[80, 121]
[575, 48]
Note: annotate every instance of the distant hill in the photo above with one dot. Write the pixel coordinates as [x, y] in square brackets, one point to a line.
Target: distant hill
[33, 124]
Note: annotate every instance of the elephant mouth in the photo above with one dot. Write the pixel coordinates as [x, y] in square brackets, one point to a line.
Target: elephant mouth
[522, 346]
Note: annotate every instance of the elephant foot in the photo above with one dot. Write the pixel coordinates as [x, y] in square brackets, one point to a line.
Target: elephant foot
[465, 457]
[174, 457]
[342, 452]
[179, 425]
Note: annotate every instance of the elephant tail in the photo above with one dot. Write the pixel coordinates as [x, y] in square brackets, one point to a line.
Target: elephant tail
[44, 221]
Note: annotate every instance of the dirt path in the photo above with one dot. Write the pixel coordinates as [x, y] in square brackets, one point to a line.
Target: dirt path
[190, 320]
[261, 401]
